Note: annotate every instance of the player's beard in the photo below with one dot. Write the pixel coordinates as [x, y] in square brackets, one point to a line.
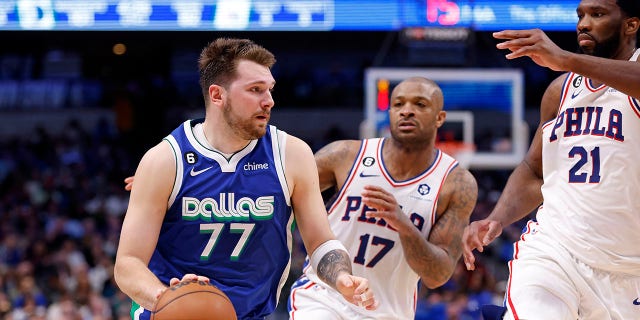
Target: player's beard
[418, 139]
[246, 128]
[606, 48]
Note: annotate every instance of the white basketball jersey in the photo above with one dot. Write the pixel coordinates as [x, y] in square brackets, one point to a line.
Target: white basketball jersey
[374, 247]
[591, 175]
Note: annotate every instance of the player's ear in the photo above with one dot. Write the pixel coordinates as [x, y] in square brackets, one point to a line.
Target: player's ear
[631, 25]
[440, 118]
[216, 94]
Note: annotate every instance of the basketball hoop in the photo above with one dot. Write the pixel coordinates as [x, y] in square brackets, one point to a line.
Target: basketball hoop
[461, 151]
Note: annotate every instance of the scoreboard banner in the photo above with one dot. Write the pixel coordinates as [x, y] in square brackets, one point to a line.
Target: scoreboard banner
[284, 15]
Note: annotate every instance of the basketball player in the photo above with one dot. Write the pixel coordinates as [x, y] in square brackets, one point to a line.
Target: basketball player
[216, 199]
[400, 210]
[581, 259]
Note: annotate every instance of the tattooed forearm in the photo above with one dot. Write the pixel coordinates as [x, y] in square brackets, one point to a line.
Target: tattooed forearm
[427, 259]
[434, 260]
[450, 225]
[332, 264]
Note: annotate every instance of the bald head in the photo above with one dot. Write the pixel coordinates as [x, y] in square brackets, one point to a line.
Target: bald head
[420, 86]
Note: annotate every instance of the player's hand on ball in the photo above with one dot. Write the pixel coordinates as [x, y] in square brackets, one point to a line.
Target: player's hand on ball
[356, 290]
[193, 300]
[188, 277]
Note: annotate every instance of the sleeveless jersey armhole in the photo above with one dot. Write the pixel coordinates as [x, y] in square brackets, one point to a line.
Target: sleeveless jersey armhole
[279, 143]
[177, 182]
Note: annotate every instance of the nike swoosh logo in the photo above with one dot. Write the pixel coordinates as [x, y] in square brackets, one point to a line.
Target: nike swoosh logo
[575, 94]
[194, 173]
[636, 302]
[362, 175]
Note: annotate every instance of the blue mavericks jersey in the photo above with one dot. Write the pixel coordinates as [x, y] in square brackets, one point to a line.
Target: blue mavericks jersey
[229, 220]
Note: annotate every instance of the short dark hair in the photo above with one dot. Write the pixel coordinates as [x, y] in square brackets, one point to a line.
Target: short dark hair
[630, 7]
[219, 60]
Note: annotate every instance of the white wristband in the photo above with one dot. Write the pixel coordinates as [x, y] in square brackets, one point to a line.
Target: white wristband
[323, 249]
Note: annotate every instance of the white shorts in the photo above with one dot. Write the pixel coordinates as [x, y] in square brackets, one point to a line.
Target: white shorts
[547, 282]
[311, 301]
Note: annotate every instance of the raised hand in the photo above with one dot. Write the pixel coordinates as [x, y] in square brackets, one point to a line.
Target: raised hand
[535, 44]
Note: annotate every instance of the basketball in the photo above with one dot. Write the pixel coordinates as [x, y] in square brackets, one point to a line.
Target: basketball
[193, 300]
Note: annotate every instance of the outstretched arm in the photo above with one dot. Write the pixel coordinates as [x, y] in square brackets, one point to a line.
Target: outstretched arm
[623, 75]
[522, 193]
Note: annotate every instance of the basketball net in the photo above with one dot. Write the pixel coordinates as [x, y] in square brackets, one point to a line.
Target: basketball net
[463, 152]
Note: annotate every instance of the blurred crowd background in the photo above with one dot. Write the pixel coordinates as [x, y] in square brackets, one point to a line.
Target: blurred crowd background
[77, 113]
